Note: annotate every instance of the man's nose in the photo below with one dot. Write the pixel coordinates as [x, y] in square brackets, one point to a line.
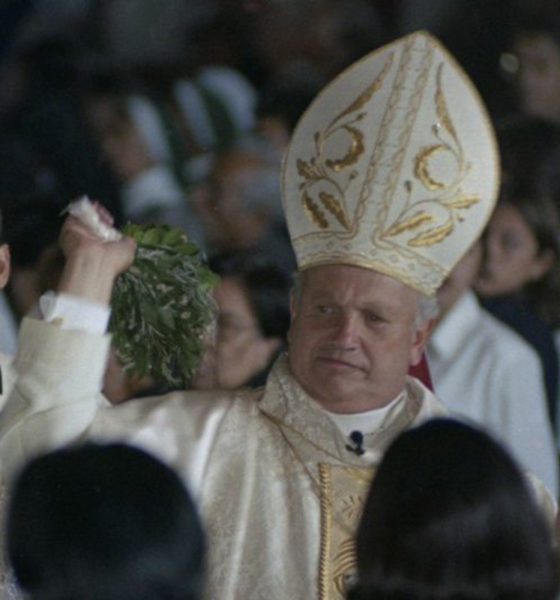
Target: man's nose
[346, 333]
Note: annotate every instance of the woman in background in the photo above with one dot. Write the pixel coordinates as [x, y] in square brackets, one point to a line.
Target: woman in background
[253, 299]
[520, 276]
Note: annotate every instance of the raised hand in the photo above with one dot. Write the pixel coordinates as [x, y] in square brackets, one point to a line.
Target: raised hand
[92, 264]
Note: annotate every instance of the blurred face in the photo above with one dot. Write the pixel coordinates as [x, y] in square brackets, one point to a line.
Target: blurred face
[219, 201]
[352, 337]
[460, 279]
[539, 75]
[512, 254]
[241, 349]
[122, 143]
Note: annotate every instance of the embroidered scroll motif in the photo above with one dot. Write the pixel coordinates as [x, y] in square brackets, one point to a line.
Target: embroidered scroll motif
[331, 176]
[343, 492]
[423, 219]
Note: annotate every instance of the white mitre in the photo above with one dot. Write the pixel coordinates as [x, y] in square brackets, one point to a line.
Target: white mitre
[394, 167]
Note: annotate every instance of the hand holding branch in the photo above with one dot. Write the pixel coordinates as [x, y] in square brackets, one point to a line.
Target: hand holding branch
[93, 263]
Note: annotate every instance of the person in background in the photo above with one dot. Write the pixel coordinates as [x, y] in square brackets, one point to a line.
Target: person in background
[520, 276]
[240, 208]
[48, 117]
[30, 228]
[449, 515]
[106, 522]
[161, 138]
[519, 282]
[31, 198]
[536, 45]
[253, 318]
[133, 138]
[499, 373]
[280, 105]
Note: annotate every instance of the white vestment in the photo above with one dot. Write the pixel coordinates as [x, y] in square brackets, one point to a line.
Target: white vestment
[279, 491]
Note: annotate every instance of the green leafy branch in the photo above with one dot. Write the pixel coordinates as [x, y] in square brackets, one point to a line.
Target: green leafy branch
[162, 306]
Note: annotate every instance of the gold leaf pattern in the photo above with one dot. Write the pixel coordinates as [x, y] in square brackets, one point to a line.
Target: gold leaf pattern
[429, 229]
[432, 236]
[334, 207]
[413, 222]
[366, 95]
[314, 212]
[305, 170]
[352, 507]
[314, 170]
[421, 166]
[354, 152]
[343, 492]
[441, 106]
[464, 201]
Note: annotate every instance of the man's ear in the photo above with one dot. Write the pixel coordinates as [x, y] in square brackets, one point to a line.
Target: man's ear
[420, 339]
[4, 265]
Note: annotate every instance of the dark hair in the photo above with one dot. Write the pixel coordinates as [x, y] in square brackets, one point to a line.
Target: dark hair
[448, 517]
[287, 98]
[267, 287]
[542, 20]
[105, 522]
[530, 151]
[541, 216]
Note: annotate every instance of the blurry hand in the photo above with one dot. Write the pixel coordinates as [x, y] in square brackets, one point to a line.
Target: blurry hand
[92, 264]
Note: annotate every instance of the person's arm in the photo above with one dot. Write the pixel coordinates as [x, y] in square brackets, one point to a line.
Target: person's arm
[60, 370]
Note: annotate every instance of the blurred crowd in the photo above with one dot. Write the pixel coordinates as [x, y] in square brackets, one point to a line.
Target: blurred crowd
[179, 113]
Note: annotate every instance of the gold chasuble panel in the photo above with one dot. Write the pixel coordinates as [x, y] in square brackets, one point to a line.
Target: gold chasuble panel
[343, 494]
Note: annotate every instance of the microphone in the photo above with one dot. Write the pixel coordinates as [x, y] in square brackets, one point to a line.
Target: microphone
[357, 439]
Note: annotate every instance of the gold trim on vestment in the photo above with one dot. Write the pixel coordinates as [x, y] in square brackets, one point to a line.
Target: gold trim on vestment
[343, 493]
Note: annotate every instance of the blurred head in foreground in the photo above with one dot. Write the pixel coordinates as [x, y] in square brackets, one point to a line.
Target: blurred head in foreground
[106, 522]
[449, 515]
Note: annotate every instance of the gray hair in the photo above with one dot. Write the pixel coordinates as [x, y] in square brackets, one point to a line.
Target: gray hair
[297, 285]
[428, 307]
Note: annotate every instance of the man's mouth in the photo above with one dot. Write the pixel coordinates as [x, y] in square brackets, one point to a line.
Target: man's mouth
[335, 363]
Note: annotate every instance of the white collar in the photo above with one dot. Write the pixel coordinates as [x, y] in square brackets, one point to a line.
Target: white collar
[367, 422]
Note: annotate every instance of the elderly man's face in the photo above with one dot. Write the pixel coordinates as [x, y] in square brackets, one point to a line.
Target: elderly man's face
[352, 337]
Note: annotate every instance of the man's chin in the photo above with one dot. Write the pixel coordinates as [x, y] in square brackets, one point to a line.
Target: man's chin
[340, 391]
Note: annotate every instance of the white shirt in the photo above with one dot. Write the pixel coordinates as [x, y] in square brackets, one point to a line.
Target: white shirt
[484, 371]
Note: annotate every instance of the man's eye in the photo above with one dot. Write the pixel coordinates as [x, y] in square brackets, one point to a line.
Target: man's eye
[324, 309]
[372, 317]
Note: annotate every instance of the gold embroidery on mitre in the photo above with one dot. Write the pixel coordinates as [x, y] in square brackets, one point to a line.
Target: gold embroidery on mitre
[430, 220]
[343, 493]
[327, 171]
